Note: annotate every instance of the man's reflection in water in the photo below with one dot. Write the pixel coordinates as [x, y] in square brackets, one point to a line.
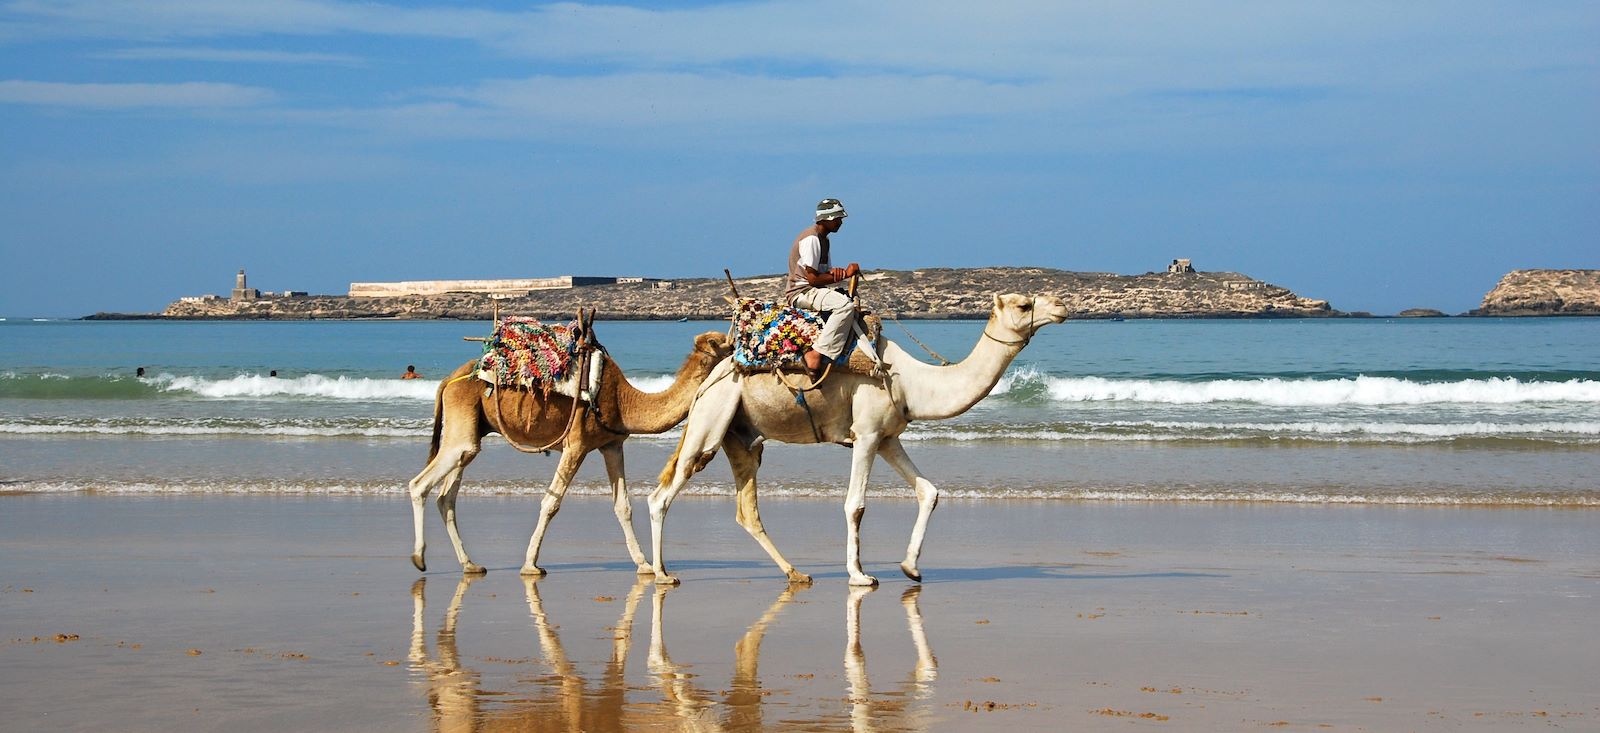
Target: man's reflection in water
[563, 700]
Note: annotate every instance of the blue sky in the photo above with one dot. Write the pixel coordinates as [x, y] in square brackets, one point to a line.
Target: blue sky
[1380, 155]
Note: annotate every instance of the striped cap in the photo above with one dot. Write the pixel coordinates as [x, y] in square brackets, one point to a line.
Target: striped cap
[830, 209]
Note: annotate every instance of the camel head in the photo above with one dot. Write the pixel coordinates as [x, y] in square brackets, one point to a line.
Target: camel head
[713, 345]
[1021, 316]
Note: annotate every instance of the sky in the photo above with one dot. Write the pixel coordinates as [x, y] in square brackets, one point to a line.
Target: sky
[1378, 155]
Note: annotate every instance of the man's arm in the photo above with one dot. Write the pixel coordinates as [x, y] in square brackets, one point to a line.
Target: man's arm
[823, 279]
[810, 253]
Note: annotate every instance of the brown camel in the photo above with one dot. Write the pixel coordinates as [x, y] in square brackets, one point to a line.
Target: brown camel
[465, 410]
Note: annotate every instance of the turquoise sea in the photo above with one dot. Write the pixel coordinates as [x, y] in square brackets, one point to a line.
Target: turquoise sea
[1373, 411]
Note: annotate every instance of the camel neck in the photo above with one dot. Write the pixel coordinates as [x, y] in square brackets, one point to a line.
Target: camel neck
[649, 413]
[939, 392]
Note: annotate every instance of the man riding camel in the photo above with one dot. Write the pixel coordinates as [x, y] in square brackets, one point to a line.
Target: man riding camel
[811, 272]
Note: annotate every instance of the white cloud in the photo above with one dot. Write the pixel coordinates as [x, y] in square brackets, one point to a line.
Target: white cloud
[1265, 42]
[650, 99]
[122, 96]
[893, 75]
[229, 55]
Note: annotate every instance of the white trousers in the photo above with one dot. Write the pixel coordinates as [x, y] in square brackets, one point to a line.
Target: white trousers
[837, 329]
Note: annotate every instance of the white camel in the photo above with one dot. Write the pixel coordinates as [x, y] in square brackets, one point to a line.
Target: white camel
[853, 408]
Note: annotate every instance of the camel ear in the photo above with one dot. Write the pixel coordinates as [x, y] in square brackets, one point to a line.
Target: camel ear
[997, 301]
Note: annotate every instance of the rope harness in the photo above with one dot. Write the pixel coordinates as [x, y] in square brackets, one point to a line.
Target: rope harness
[586, 352]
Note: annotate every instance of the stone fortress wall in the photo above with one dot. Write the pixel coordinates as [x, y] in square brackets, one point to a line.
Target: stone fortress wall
[518, 286]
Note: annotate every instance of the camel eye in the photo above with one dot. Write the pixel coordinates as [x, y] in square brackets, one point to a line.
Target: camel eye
[1026, 307]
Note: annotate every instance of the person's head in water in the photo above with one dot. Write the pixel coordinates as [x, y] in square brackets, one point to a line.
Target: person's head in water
[411, 369]
[139, 372]
[272, 373]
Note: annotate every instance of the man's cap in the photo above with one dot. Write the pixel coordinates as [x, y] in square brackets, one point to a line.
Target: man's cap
[830, 209]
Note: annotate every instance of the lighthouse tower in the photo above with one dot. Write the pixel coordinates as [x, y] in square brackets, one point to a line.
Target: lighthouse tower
[242, 294]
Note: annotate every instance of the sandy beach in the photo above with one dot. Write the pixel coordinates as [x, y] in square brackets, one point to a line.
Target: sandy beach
[276, 613]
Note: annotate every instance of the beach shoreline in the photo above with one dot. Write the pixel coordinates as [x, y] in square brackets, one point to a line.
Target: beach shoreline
[247, 613]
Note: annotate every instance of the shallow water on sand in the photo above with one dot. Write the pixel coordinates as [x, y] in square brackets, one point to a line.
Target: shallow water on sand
[258, 613]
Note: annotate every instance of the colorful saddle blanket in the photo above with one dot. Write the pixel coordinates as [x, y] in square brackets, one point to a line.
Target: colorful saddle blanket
[770, 335]
[526, 353]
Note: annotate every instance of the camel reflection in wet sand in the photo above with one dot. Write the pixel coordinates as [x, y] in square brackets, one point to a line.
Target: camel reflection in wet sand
[565, 700]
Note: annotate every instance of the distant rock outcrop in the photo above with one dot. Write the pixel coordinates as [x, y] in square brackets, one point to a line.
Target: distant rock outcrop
[1544, 293]
[1421, 313]
[925, 294]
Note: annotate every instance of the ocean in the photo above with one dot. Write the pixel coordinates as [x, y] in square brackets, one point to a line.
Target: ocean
[1481, 412]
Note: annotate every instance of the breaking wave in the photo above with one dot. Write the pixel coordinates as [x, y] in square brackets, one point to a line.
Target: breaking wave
[1310, 431]
[240, 387]
[1031, 385]
[311, 385]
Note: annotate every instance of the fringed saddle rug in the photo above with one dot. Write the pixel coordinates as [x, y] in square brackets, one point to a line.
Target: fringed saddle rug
[768, 335]
[526, 353]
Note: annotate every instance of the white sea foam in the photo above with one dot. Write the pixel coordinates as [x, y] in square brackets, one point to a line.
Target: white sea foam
[317, 386]
[1157, 494]
[255, 386]
[1016, 378]
[1159, 431]
[1322, 392]
[655, 383]
[269, 430]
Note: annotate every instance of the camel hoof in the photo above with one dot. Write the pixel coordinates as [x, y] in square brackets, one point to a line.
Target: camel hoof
[798, 578]
[667, 579]
[417, 561]
[472, 568]
[864, 581]
[532, 571]
[911, 572]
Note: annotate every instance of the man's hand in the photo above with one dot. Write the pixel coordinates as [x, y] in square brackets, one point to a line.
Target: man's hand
[851, 270]
[838, 274]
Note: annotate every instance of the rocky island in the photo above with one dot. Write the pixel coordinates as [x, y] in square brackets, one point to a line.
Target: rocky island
[1543, 293]
[920, 294]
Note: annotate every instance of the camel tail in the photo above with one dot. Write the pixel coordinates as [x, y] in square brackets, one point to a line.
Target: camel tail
[438, 420]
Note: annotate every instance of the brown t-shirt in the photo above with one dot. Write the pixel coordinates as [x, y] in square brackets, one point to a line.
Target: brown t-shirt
[815, 249]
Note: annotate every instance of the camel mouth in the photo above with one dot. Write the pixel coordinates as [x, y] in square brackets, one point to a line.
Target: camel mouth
[1054, 309]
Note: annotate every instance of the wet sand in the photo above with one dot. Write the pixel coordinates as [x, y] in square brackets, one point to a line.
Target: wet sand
[247, 613]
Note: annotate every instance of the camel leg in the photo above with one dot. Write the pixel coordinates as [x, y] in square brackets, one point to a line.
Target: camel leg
[620, 506]
[447, 510]
[708, 421]
[855, 507]
[745, 462]
[571, 458]
[448, 463]
[927, 499]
